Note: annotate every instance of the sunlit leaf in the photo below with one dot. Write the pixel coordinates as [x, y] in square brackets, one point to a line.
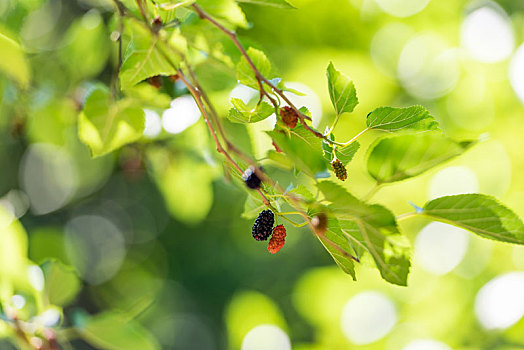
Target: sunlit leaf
[344, 153]
[241, 113]
[334, 238]
[478, 213]
[113, 331]
[341, 91]
[106, 126]
[13, 62]
[401, 157]
[372, 228]
[245, 74]
[389, 118]
[61, 282]
[302, 147]
[146, 56]
[225, 9]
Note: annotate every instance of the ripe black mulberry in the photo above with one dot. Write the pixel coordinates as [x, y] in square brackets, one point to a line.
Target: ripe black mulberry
[263, 225]
[251, 179]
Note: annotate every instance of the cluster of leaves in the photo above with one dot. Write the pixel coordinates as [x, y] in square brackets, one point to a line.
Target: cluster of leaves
[413, 143]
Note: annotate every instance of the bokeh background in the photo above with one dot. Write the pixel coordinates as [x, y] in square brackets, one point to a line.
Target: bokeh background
[155, 230]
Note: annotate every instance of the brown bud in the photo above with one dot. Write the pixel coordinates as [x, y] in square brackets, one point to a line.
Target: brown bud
[155, 81]
[319, 223]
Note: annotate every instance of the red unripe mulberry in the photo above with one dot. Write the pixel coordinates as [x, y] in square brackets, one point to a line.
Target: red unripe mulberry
[277, 240]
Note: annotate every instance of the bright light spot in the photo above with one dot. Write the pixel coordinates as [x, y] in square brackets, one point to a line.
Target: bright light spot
[387, 45]
[244, 93]
[36, 277]
[266, 337]
[518, 257]
[402, 8]
[183, 113]
[48, 177]
[486, 33]
[95, 246]
[310, 100]
[19, 202]
[8, 212]
[49, 318]
[439, 247]
[500, 302]
[427, 68]
[367, 317]
[153, 124]
[516, 72]
[453, 180]
[18, 301]
[426, 344]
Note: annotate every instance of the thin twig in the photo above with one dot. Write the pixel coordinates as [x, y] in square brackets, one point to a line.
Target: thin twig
[198, 99]
[261, 80]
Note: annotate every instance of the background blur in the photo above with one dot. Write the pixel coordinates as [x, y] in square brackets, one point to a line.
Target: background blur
[159, 235]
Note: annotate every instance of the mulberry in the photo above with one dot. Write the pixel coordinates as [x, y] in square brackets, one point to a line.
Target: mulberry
[289, 116]
[339, 169]
[251, 179]
[277, 240]
[155, 81]
[263, 225]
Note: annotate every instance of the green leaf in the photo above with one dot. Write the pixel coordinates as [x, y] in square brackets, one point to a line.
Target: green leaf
[280, 158]
[245, 74]
[341, 91]
[225, 9]
[113, 331]
[241, 113]
[13, 62]
[273, 3]
[144, 57]
[371, 228]
[302, 192]
[302, 147]
[106, 126]
[389, 118]
[61, 282]
[401, 157]
[480, 214]
[252, 207]
[334, 235]
[344, 153]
